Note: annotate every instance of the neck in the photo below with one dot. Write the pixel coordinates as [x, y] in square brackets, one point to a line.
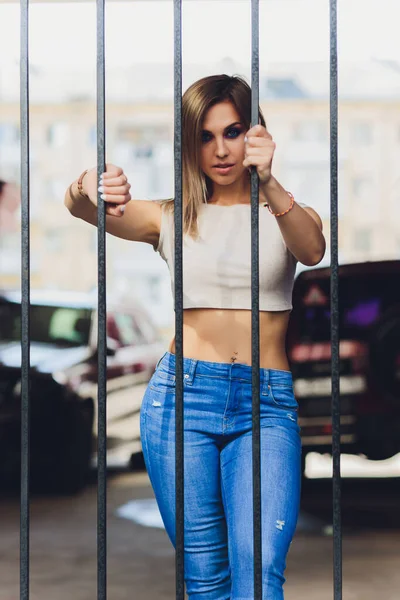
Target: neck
[237, 193]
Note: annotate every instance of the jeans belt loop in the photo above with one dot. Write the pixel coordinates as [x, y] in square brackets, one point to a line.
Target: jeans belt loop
[265, 386]
[189, 370]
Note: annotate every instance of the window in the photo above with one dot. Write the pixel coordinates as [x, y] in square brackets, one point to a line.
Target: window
[363, 189]
[112, 330]
[49, 324]
[310, 131]
[57, 134]
[283, 88]
[9, 134]
[310, 183]
[143, 151]
[93, 136]
[129, 332]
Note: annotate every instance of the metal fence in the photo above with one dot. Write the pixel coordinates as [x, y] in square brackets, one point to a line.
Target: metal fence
[25, 307]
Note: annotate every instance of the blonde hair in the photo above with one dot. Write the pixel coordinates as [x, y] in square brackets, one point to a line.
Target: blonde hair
[196, 101]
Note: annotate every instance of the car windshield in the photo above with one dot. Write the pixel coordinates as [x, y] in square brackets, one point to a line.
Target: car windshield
[362, 301]
[59, 325]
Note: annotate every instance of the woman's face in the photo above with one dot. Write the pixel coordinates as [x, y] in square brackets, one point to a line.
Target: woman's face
[222, 144]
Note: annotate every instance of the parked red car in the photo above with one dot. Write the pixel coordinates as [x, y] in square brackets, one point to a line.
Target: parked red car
[63, 379]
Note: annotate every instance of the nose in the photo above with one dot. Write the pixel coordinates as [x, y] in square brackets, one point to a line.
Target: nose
[221, 149]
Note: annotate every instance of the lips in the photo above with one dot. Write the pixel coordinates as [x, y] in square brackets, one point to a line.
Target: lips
[223, 169]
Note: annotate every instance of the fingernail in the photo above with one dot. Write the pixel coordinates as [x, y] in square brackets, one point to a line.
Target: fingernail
[101, 181]
[101, 189]
[122, 208]
[103, 196]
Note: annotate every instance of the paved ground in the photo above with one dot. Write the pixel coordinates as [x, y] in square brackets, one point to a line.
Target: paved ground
[141, 560]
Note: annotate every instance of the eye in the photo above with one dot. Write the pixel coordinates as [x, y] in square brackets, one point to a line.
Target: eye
[205, 137]
[233, 133]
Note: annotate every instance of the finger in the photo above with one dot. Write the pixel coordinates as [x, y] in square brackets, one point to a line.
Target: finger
[115, 211]
[259, 142]
[257, 161]
[262, 159]
[115, 199]
[266, 159]
[120, 180]
[121, 190]
[112, 171]
[265, 155]
[261, 130]
[258, 131]
[115, 181]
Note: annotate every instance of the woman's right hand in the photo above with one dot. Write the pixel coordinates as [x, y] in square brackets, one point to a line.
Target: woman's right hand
[112, 189]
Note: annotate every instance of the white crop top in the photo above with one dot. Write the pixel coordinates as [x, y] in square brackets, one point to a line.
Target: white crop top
[217, 266]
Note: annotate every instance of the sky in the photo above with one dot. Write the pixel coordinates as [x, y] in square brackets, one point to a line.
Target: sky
[64, 34]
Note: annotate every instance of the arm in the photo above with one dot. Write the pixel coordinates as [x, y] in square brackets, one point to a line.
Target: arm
[301, 228]
[139, 221]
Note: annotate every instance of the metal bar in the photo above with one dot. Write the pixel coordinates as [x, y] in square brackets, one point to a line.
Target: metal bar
[255, 308]
[336, 488]
[25, 304]
[102, 310]
[178, 216]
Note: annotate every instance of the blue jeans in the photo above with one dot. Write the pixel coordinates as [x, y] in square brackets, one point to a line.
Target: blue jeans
[218, 472]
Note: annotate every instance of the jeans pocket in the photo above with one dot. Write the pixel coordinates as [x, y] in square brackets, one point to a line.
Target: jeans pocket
[163, 381]
[283, 395]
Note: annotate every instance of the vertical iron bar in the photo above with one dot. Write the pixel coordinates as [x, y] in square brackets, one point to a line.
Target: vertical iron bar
[178, 216]
[25, 304]
[337, 532]
[255, 315]
[102, 310]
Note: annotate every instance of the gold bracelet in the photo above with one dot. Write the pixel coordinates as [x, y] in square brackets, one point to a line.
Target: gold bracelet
[286, 211]
[75, 198]
[80, 180]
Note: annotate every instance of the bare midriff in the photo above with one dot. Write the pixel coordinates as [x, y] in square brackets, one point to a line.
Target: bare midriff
[220, 335]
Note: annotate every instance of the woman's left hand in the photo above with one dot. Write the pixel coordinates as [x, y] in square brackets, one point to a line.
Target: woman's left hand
[259, 151]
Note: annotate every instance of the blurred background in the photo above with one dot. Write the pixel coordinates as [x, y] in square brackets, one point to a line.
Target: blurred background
[294, 96]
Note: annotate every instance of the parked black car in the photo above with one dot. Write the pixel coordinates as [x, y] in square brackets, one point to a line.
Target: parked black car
[369, 328]
[63, 384]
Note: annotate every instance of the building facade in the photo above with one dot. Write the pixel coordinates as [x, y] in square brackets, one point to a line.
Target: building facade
[139, 138]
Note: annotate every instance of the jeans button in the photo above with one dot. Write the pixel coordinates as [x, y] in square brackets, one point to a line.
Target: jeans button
[186, 376]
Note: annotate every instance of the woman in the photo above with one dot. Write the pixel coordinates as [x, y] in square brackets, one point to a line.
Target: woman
[219, 149]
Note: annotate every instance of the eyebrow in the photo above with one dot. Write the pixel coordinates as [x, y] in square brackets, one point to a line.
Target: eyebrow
[226, 128]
